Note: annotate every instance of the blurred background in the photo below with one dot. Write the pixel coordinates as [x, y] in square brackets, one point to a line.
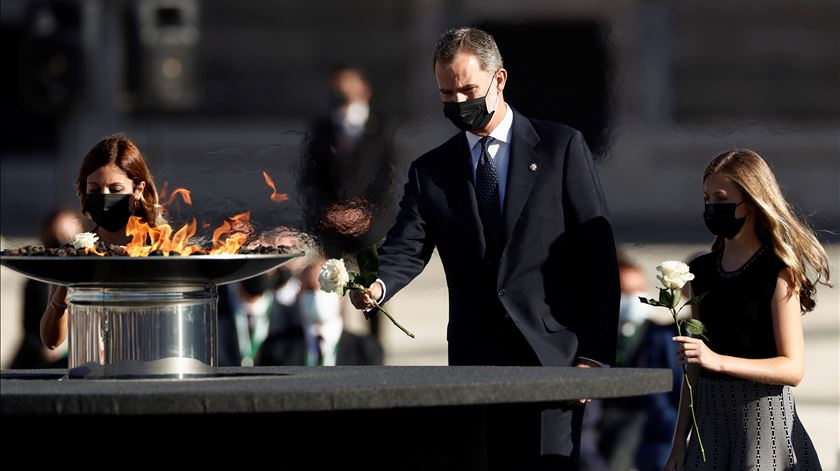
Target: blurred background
[215, 92]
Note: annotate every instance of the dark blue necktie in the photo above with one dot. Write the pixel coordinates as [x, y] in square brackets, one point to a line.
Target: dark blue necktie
[487, 198]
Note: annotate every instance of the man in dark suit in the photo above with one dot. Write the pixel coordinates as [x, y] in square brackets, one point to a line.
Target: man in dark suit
[515, 209]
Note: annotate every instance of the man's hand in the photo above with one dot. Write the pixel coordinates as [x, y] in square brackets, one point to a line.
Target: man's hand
[583, 364]
[364, 300]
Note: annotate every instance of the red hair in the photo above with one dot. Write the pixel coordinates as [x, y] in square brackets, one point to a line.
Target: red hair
[121, 151]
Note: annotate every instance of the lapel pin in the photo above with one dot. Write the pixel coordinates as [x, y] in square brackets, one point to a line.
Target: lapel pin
[532, 167]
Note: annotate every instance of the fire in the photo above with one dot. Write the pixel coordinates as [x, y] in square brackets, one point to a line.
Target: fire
[180, 239]
[278, 197]
[228, 238]
[160, 238]
[92, 250]
[185, 195]
[240, 226]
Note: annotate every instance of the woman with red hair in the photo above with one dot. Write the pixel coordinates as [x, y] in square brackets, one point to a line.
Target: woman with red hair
[114, 184]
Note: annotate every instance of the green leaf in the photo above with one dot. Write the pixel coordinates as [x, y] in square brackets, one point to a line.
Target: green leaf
[652, 302]
[696, 299]
[368, 260]
[676, 299]
[695, 327]
[644, 300]
[665, 297]
[366, 279]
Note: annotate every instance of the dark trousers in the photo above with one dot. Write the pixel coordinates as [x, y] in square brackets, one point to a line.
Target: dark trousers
[529, 436]
[517, 435]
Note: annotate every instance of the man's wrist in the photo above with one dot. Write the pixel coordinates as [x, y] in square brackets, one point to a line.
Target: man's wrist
[381, 296]
[381, 285]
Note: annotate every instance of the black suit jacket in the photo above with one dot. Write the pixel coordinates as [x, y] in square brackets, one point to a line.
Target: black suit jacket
[557, 278]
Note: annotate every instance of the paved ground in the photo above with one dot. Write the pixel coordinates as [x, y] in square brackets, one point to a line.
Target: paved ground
[422, 307]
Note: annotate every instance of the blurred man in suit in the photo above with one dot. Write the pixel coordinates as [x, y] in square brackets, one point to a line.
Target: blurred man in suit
[319, 338]
[347, 174]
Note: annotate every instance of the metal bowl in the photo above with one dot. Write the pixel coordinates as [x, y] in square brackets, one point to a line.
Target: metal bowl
[192, 270]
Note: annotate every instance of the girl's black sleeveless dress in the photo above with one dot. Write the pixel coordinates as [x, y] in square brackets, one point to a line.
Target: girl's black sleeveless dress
[744, 425]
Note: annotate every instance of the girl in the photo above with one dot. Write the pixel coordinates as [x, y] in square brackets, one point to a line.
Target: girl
[756, 289]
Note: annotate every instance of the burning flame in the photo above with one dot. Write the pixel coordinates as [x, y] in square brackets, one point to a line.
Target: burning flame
[239, 225]
[185, 195]
[160, 238]
[227, 238]
[278, 197]
[91, 249]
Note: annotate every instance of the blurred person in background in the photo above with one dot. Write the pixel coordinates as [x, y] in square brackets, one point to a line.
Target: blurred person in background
[756, 286]
[249, 313]
[320, 339]
[348, 174]
[114, 183]
[349, 169]
[58, 229]
[620, 423]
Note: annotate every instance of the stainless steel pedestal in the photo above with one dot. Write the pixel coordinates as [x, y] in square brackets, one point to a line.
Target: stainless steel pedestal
[119, 331]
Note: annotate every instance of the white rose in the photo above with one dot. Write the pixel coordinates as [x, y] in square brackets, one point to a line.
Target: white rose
[333, 275]
[85, 239]
[674, 275]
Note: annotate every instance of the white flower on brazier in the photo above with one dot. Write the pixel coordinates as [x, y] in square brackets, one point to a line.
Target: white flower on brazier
[85, 239]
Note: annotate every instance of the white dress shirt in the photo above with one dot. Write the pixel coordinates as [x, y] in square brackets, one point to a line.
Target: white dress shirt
[323, 337]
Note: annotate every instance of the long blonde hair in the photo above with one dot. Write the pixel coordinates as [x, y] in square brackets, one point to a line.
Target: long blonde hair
[792, 240]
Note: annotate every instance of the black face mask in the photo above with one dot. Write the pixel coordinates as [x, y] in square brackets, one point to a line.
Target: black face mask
[110, 212]
[470, 115]
[721, 221]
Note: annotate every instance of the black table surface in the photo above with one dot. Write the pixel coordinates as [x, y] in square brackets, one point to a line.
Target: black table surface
[302, 389]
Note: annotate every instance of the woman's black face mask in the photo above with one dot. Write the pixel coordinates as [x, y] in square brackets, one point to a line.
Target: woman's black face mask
[110, 212]
[721, 221]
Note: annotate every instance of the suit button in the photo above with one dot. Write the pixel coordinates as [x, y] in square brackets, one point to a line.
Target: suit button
[501, 292]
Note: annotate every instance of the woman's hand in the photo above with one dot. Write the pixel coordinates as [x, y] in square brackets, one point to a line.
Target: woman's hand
[57, 297]
[694, 351]
[54, 320]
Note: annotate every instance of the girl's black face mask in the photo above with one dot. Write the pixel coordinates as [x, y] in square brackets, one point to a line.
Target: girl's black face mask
[110, 212]
[470, 115]
[721, 221]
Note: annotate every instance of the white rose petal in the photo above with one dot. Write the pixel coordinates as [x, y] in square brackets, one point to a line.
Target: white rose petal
[674, 275]
[85, 239]
[333, 275]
